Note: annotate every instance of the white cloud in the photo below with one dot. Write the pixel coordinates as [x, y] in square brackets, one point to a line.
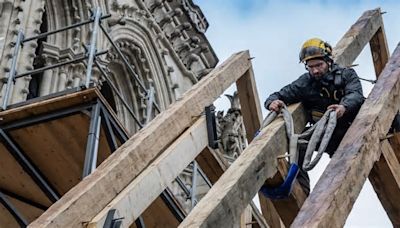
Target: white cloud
[274, 31]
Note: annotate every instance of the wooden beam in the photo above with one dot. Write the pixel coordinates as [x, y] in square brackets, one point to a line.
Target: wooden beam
[385, 178]
[269, 212]
[379, 48]
[336, 191]
[145, 188]
[384, 175]
[246, 218]
[227, 199]
[93, 193]
[234, 191]
[212, 163]
[349, 47]
[288, 208]
[395, 142]
[213, 166]
[249, 103]
[252, 118]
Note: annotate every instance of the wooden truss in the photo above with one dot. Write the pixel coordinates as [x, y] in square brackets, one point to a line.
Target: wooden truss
[138, 171]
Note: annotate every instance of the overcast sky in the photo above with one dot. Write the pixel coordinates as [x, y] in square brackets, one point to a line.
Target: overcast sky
[274, 31]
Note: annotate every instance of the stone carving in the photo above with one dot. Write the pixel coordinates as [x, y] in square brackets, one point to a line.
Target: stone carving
[163, 40]
[230, 129]
[195, 15]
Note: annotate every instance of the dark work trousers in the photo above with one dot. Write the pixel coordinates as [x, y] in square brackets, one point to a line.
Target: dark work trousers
[337, 136]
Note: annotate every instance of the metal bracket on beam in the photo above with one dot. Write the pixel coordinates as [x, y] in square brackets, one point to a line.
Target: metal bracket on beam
[211, 127]
[112, 222]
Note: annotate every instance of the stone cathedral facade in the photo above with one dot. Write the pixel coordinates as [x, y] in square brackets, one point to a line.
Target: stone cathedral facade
[163, 40]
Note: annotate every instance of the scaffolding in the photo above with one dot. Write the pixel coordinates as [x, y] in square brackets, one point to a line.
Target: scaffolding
[103, 127]
[129, 183]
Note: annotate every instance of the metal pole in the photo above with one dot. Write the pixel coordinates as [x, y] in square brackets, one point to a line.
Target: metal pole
[122, 136]
[13, 210]
[92, 48]
[45, 117]
[93, 141]
[119, 95]
[194, 184]
[35, 71]
[23, 199]
[129, 67]
[29, 167]
[183, 186]
[149, 107]
[112, 142]
[63, 29]
[11, 75]
[203, 175]
[167, 197]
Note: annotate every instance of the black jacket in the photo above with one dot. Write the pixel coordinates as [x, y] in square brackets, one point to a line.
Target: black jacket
[339, 86]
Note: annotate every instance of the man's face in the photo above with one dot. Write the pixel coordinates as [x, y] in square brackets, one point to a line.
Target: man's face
[317, 67]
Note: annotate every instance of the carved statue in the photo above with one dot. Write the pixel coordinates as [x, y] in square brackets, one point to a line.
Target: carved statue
[231, 130]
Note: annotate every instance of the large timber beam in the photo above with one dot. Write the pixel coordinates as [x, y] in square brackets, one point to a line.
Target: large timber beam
[93, 193]
[384, 174]
[385, 178]
[355, 39]
[214, 165]
[235, 188]
[145, 188]
[337, 189]
[283, 210]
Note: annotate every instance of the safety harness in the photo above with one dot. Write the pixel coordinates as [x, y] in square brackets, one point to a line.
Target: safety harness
[320, 133]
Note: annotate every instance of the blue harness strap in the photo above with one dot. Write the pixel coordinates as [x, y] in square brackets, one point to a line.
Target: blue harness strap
[283, 191]
[285, 188]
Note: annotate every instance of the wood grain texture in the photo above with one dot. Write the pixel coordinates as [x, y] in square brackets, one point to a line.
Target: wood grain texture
[226, 200]
[385, 179]
[113, 175]
[141, 192]
[340, 184]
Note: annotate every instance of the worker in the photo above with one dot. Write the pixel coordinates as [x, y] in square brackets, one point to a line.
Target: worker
[324, 86]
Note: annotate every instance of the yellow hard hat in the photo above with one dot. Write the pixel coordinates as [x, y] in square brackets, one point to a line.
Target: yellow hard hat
[315, 48]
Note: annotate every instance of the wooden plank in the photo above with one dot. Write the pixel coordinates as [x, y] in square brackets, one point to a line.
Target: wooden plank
[286, 210]
[47, 106]
[246, 218]
[395, 142]
[142, 191]
[350, 45]
[249, 103]
[385, 178]
[58, 148]
[269, 212]
[252, 118]
[384, 174]
[345, 52]
[213, 166]
[336, 191]
[14, 179]
[113, 175]
[379, 48]
[158, 215]
[227, 199]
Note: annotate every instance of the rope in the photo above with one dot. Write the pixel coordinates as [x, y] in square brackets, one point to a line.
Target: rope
[320, 133]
